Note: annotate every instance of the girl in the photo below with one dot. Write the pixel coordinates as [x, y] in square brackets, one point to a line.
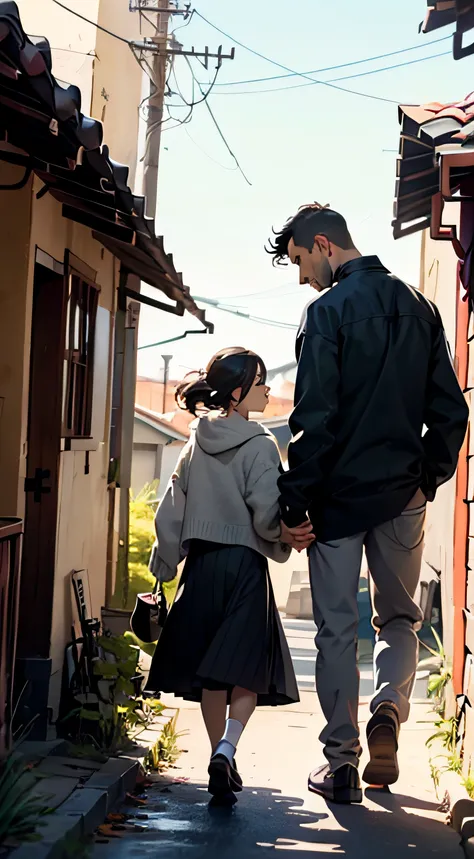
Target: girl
[223, 643]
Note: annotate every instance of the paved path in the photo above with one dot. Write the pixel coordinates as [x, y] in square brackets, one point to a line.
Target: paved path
[276, 812]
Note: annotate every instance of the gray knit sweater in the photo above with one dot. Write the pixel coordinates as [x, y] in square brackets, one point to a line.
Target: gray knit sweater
[224, 490]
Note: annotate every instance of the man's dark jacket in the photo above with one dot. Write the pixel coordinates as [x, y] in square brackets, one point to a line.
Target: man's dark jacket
[374, 370]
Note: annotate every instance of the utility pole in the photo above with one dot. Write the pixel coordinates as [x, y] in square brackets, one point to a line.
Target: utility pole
[160, 48]
[166, 359]
[155, 108]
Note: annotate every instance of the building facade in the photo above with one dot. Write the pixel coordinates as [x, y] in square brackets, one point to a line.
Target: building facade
[74, 248]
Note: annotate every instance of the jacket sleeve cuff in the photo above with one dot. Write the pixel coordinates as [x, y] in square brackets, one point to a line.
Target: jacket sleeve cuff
[428, 486]
[293, 516]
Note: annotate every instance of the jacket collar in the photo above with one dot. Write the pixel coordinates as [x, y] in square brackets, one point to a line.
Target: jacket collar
[370, 263]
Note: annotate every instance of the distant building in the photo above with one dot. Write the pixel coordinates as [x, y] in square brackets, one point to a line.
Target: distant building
[156, 448]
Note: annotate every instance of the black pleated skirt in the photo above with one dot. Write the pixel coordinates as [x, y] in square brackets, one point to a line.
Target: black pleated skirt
[224, 630]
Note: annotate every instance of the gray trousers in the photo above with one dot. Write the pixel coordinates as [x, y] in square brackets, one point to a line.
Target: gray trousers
[394, 552]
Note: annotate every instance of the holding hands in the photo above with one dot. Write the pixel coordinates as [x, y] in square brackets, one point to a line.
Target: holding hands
[299, 538]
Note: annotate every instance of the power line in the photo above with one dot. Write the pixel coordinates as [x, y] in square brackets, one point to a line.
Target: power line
[182, 26]
[339, 66]
[91, 53]
[264, 297]
[214, 160]
[292, 71]
[343, 78]
[93, 23]
[205, 95]
[271, 290]
[219, 130]
[274, 323]
[193, 103]
[221, 135]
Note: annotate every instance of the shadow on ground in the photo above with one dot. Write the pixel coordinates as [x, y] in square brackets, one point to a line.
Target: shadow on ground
[180, 820]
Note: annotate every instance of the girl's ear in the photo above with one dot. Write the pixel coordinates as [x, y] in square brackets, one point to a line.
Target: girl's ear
[236, 395]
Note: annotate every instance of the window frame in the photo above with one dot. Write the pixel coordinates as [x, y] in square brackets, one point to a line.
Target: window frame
[78, 380]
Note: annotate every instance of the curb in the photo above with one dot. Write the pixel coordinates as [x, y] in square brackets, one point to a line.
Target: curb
[88, 804]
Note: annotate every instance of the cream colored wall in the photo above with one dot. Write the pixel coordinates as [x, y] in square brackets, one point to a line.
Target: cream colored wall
[15, 316]
[77, 39]
[28, 223]
[110, 82]
[438, 283]
[118, 79]
[83, 500]
[104, 68]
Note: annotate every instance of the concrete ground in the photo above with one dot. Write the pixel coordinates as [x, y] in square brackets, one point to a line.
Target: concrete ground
[276, 812]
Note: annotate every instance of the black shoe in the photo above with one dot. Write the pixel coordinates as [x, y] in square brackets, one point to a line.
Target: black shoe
[223, 777]
[342, 785]
[382, 737]
[224, 801]
[237, 778]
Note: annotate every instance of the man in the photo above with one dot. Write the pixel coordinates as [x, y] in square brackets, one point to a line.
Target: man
[374, 372]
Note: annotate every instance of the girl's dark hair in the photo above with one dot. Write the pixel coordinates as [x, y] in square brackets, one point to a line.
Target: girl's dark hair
[212, 388]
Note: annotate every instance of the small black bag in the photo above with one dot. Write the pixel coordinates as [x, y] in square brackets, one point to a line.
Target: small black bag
[149, 615]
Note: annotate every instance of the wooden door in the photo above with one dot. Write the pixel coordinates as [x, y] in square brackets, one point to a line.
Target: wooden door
[43, 456]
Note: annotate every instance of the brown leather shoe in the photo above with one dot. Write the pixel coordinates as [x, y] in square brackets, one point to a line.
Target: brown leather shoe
[342, 785]
[382, 737]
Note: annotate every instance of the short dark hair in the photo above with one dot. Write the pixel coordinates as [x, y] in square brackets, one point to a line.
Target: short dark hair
[212, 388]
[310, 220]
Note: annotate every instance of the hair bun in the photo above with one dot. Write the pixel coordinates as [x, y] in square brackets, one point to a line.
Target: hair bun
[194, 392]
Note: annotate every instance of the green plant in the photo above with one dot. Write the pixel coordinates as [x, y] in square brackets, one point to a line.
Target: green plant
[165, 752]
[107, 716]
[435, 773]
[447, 733]
[142, 513]
[20, 810]
[468, 783]
[454, 764]
[439, 680]
[149, 649]
[137, 577]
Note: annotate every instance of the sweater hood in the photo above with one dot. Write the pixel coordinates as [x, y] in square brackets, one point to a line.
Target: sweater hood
[216, 434]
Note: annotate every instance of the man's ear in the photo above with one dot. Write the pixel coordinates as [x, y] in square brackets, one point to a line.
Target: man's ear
[322, 243]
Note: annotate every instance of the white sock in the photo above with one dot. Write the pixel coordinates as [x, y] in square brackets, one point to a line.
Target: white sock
[231, 736]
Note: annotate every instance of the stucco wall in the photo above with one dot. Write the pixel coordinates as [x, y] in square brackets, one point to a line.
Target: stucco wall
[72, 40]
[15, 316]
[83, 504]
[104, 68]
[118, 80]
[83, 500]
[111, 82]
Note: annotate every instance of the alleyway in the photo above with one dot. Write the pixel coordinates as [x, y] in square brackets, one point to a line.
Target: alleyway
[276, 811]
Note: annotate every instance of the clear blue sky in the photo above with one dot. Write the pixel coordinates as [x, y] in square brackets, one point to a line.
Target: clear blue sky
[310, 143]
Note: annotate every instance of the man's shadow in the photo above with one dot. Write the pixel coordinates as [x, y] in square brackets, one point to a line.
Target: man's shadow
[397, 826]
